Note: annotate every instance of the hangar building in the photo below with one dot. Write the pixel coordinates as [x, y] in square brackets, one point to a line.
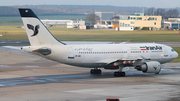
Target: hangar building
[105, 15]
[172, 23]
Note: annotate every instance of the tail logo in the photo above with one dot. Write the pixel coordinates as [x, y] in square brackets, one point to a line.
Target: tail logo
[34, 30]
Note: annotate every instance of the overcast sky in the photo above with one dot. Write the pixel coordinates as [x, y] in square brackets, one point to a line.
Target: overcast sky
[137, 3]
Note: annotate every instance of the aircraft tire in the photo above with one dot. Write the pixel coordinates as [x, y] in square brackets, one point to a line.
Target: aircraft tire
[98, 71]
[119, 74]
[95, 71]
[92, 71]
[123, 74]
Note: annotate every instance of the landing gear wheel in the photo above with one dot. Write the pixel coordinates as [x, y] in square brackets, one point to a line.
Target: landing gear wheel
[123, 74]
[95, 71]
[119, 74]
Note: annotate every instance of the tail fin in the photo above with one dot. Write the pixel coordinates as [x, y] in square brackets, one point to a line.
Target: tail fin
[37, 33]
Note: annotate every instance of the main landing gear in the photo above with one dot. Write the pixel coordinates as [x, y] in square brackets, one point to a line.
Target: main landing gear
[120, 73]
[95, 71]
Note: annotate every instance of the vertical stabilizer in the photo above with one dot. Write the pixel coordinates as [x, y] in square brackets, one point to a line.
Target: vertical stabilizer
[37, 33]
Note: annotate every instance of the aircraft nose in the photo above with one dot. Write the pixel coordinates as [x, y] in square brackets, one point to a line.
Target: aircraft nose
[176, 54]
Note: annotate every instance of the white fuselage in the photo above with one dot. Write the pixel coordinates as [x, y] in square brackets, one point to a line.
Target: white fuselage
[99, 55]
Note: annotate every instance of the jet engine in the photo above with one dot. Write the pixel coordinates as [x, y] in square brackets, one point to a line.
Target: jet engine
[149, 67]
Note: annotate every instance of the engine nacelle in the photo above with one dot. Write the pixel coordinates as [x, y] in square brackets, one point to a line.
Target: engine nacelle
[149, 67]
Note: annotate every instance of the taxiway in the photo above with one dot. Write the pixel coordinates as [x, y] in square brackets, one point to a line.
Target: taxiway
[27, 77]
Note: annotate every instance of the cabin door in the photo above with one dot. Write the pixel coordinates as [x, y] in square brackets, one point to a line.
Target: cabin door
[70, 53]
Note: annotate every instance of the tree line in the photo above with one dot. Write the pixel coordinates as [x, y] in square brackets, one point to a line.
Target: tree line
[68, 9]
[166, 13]
[88, 9]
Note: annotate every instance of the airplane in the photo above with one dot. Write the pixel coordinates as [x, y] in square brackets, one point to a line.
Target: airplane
[145, 57]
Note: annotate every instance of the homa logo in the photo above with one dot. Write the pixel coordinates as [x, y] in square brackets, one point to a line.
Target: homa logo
[34, 30]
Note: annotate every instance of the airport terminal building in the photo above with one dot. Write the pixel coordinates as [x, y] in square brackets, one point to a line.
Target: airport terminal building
[138, 22]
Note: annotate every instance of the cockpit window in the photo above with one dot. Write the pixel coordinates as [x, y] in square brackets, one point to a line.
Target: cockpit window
[172, 50]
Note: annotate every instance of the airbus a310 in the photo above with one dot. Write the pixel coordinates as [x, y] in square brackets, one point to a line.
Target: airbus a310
[145, 57]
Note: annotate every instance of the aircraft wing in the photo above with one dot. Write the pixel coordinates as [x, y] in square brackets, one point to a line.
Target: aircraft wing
[114, 60]
[108, 61]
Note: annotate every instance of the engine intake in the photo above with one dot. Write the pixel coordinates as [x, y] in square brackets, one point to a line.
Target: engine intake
[149, 67]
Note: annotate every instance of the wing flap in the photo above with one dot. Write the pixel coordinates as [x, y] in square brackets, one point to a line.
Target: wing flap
[114, 60]
[108, 61]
